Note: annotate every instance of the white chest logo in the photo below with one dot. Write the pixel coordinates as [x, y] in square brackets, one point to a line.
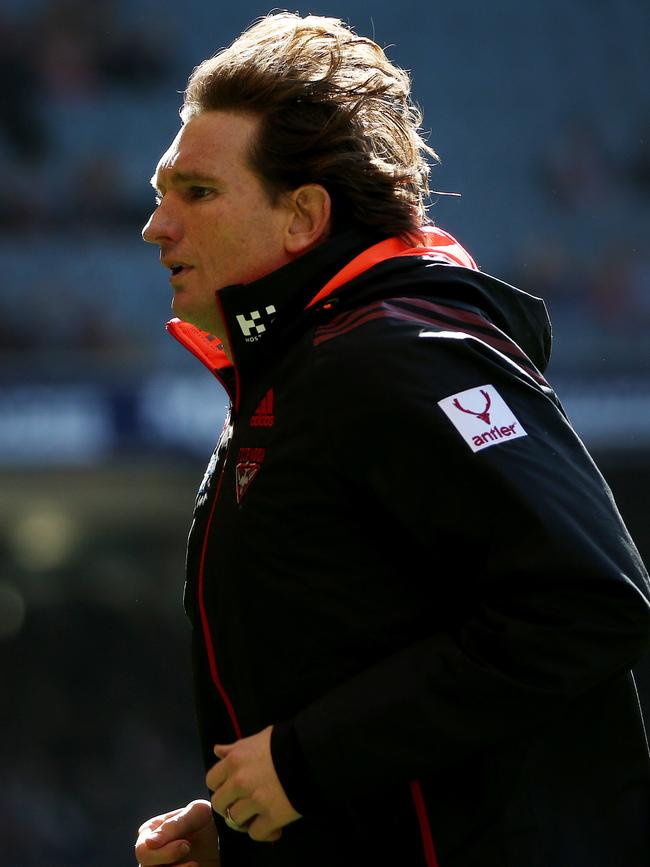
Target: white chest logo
[252, 326]
[482, 417]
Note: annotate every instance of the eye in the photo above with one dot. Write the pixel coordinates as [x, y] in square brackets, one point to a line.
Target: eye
[199, 192]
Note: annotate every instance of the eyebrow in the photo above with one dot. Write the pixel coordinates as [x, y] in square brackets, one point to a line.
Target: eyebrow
[191, 177]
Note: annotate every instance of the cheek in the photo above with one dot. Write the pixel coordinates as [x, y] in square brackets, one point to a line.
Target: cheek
[241, 243]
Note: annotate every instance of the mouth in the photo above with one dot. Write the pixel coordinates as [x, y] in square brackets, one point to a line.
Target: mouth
[177, 269]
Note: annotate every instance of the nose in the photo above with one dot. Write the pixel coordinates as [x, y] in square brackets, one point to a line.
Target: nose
[147, 230]
[160, 227]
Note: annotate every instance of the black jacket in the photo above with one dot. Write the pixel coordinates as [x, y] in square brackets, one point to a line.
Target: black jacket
[403, 557]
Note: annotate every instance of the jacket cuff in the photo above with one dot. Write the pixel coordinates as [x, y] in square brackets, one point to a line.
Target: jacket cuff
[292, 771]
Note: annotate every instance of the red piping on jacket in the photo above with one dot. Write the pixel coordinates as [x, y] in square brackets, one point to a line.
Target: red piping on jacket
[207, 349]
[209, 647]
[430, 857]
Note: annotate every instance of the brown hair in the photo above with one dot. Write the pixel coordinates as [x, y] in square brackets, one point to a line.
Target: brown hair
[333, 110]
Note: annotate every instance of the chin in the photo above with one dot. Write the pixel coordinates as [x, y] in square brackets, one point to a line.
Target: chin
[195, 319]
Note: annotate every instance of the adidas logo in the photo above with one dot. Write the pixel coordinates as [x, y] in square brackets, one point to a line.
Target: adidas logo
[263, 415]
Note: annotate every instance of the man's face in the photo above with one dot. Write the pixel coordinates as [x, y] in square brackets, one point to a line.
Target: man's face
[214, 223]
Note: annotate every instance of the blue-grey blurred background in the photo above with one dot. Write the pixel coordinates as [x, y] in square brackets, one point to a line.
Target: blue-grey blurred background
[541, 114]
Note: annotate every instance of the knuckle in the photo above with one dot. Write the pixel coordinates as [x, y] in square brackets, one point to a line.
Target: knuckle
[232, 762]
[146, 825]
[140, 849]
[261, 829]
[256, 796]
[239, 780]
[263, 834]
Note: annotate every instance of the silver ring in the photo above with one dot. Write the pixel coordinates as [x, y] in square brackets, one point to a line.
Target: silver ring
[230, 822]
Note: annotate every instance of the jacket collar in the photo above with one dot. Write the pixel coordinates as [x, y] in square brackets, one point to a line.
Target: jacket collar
[258, 313]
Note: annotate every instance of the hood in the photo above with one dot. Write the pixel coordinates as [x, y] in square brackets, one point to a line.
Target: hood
[522, 317]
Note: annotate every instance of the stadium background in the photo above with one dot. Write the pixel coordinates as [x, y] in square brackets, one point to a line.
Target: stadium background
[541, 113]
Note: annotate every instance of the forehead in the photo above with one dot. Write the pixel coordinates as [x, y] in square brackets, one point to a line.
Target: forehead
[213, 143]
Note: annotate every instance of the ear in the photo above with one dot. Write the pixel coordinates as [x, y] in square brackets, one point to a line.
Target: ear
[309, 223]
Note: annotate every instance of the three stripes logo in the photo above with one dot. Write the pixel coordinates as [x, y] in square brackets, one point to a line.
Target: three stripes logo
[263, 415]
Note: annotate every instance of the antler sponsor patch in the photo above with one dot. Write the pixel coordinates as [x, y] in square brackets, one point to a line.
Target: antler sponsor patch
[482, 417]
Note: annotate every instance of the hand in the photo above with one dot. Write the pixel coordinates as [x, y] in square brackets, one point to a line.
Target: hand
[185, 837]
[246, 782]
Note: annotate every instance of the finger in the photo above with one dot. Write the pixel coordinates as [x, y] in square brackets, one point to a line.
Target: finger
[217, 775]
[263, 831]
[244, 811]
[225, 796]
[222, 750]
[182, 823]
[156, 822]
[170, 853]
[246, 814]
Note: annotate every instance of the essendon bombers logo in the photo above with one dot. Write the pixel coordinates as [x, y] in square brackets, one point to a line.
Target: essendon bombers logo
[482, 417]
[249, 463]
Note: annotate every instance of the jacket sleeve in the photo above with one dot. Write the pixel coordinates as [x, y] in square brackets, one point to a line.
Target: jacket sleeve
[559, 596]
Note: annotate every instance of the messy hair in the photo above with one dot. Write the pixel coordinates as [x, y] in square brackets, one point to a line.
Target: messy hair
[333, 110]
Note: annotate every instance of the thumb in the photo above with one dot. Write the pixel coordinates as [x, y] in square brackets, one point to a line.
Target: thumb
[222, 750]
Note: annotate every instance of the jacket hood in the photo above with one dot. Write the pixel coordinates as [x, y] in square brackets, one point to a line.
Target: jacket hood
[520, 316]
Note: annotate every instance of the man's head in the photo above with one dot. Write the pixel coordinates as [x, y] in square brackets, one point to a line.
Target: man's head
[333, 111]
[298, 130]
[215, 223]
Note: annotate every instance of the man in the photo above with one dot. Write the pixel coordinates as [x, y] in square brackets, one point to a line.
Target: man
[414, 604]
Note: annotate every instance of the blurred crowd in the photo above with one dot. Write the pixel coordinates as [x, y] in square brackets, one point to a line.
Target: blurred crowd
[56, 55]
[75, 157]
[70, 71]
[103, 738]
[577, 175]
[98, 729]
